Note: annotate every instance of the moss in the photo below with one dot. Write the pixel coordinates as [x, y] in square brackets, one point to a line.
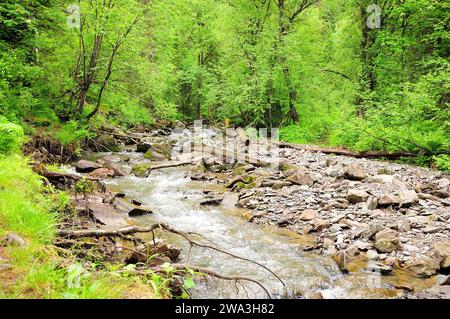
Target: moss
[140, 170]
[240, 170]
[242, 185]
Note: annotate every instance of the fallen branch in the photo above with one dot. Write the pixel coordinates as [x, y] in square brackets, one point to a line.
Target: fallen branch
[206, 271]
[167, 165]
[337, 151]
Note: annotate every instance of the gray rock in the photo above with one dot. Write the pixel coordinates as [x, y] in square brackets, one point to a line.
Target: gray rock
[84, 166]
[12, 239]
[355, 173]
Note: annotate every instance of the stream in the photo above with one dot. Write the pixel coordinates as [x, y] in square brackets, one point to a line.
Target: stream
[175, 200]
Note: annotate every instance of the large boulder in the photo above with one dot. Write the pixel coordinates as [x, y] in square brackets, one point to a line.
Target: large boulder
[106, 143]
[84, 166]
[386, 241]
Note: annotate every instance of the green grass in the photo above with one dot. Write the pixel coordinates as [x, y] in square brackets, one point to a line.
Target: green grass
[30, 210]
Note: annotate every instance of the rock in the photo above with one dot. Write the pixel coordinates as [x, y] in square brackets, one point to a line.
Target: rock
[141, 170]
[112, 158]
[378, 267]
[354, 173]
[432, 229]
[386, 241]
[341, 259]
[408, 198]
[372, 203]
[153, 155]
[280, 184]
[234, 181]
[388, 200]
[362, 245]
[327, 242]
[157, 247]
[102, 173]
[107, 215]
[372, 255]
[335, 228]
[314, 295]
[199, 177]
[442, 250]
[143, 147]
[443, 280]
[106, 143]
[214, 201]
[424, 267]
[230, 200]
[118, 169]
[284, 221]
[300, 177]
[435, 292]
[308, 214]
[12, 239]
[355, 196]
[388, 179]
[130, 209]
[84, 166]
[403, 226]
[320, 224]
[391, 261]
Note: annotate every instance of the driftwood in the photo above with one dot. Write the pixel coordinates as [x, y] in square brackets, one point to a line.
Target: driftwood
[168, 164]
[337, 151]
[139, 229]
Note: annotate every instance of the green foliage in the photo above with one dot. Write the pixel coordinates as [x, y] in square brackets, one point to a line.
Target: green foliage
[11, 137]
[442, 162]
[71, 132]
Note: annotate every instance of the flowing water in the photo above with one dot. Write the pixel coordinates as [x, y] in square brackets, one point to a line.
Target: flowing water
[175, 200]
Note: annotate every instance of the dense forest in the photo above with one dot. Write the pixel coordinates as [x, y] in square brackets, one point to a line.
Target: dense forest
[356, 75]
[314, 68]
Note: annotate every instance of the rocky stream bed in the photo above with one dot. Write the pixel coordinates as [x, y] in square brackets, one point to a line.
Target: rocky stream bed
[329, 226]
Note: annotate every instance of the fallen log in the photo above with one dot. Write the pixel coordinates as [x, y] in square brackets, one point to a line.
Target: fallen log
[168, 165]
[52, 176]
[338, 151]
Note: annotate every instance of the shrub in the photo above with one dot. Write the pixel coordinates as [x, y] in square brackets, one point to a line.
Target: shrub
[11, 137]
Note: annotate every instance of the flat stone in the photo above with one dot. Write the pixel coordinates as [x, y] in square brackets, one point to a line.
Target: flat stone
[107, 215]
[84, 166]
